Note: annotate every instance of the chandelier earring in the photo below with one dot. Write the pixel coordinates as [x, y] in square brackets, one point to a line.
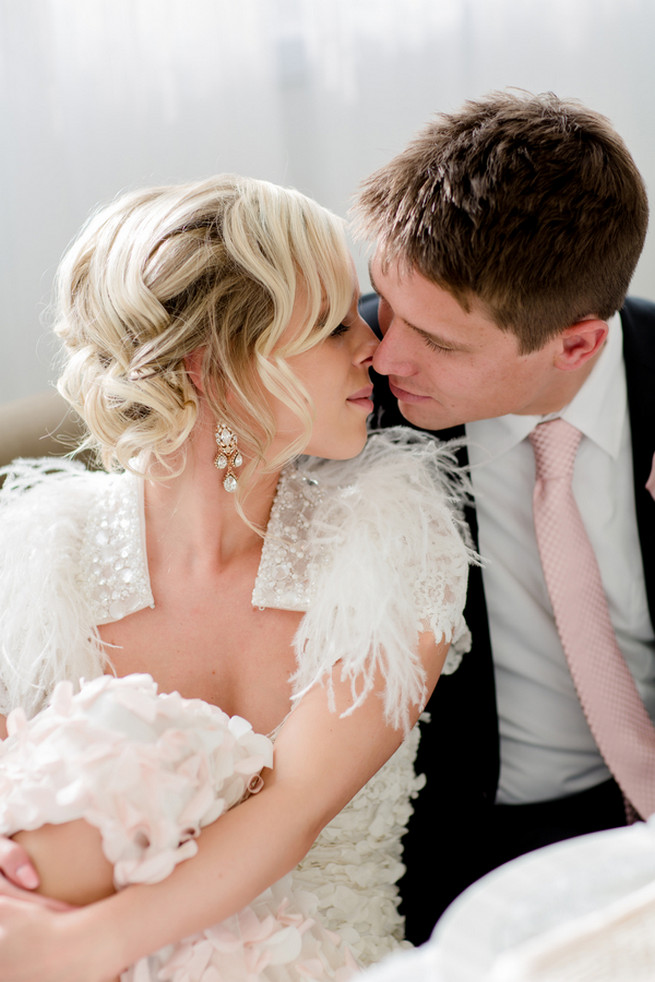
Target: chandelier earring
[228, 457]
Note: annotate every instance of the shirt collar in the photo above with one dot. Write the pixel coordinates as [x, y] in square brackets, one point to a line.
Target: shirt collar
[598, 409]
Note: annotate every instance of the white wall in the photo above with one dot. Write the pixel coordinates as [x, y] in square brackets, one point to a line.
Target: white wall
[100, 95]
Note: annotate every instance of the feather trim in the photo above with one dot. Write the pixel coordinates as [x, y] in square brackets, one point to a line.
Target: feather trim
[47, 630]
[389, 558]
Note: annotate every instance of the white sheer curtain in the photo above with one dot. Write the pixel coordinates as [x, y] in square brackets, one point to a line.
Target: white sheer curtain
[99, 95]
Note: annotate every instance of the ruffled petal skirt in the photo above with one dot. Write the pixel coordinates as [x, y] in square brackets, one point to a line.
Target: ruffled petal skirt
[149, 770]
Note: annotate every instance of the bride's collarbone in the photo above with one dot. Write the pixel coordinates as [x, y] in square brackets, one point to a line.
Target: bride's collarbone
[214, 645]
[219, 613]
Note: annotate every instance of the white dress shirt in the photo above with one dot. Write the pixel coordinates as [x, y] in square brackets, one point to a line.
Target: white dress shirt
[547, 749]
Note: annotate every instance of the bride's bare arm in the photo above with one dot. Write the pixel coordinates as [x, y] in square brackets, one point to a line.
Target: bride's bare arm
[321, 761]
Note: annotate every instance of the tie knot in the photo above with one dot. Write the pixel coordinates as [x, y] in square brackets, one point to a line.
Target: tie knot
[555, 445]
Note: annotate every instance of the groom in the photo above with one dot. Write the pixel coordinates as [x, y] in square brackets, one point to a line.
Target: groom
[507, 234]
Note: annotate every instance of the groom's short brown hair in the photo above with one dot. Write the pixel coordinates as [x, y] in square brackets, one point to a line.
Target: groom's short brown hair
[530, 205]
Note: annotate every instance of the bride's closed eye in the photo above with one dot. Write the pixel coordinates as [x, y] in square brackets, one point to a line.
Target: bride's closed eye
[340, 329]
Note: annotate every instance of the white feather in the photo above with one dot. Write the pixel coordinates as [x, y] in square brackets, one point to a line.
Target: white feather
[47, 631]
[390, 559]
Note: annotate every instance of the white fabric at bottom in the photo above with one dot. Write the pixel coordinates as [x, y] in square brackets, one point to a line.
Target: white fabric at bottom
[533, 897]
[582, 910]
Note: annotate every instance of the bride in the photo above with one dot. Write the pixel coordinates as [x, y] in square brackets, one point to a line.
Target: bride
[250, 551]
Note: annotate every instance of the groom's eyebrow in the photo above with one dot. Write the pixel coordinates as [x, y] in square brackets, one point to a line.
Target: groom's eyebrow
[372, 278]
[428, 335]
[382, 296]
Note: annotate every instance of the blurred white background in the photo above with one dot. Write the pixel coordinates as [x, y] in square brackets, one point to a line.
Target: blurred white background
[101, 95]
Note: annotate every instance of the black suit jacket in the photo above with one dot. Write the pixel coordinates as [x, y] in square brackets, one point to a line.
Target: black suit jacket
[444, 849]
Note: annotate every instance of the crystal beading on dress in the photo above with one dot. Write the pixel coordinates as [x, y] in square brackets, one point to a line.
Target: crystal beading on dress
[284, 575]
[113, 563]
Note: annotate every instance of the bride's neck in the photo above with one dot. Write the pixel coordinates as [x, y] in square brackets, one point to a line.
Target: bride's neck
[192, 520]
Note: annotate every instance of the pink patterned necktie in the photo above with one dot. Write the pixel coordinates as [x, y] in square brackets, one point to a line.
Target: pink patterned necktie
[615, 712]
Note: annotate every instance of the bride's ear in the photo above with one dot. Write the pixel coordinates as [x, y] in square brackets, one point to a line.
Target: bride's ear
[193, 365]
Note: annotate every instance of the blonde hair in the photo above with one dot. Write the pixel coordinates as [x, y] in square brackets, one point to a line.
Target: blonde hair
[216, 265]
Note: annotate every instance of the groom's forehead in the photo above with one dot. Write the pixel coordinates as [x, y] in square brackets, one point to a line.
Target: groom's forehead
[432, 310]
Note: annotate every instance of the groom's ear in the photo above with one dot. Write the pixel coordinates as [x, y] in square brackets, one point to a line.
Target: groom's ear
[193, 365]
[580, 342]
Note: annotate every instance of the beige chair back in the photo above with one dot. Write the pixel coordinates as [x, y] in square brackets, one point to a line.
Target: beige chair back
[42, 425]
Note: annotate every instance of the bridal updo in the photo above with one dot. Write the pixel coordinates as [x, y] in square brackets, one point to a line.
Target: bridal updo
[216, 266]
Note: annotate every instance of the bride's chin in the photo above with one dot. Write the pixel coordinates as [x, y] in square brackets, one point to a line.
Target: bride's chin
[342, 443]
[353, 448]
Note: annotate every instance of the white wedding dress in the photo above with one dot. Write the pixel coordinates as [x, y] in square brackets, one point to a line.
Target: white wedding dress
[372, 550]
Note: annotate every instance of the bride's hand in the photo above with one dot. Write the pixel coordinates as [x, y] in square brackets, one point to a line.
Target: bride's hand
[16, 866]
[18, 878]
[37, 943]
[33, 940]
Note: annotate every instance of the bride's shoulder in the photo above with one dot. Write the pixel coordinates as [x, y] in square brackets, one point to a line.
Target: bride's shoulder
[406, 491]
[410, 454]
[402, 496]
[385, 555]
[395, 460]
[46, 621]
[46, 479]
[46, 495]
[48, 503]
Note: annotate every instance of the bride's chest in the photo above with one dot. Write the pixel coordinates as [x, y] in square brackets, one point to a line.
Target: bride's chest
[214, 646]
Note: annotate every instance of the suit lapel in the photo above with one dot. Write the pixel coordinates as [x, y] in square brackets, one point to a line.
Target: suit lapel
[638, 320]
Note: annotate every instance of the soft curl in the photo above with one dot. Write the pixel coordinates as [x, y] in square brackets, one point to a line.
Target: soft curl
[217, 266]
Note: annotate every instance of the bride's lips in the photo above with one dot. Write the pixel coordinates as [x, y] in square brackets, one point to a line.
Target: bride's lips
[362, 398]
[404, 396]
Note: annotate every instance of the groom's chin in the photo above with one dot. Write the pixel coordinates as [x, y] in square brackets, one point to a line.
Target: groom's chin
[427, 414]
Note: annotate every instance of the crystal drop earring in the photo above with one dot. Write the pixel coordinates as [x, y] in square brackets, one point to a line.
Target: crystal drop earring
[228, 456]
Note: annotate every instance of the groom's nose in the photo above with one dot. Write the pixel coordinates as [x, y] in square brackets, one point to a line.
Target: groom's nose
[393, 355]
